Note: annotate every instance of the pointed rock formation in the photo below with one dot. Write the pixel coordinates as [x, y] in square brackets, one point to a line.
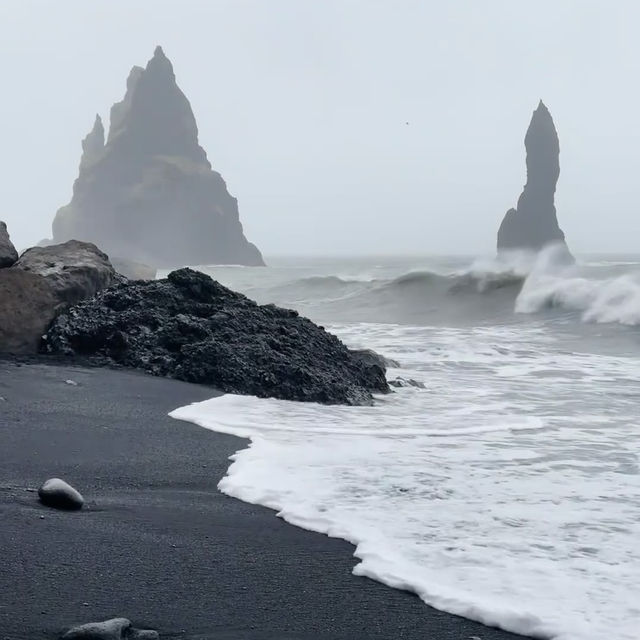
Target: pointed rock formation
[8, 253]
[93, 144]
[149, 194]
[533, 224]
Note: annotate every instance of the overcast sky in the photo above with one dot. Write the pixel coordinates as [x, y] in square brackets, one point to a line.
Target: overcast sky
[302, 107]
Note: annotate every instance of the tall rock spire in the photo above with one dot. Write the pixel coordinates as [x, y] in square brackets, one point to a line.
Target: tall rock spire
[533, 224]
[119, 109]
[149, 194]
[93, 144]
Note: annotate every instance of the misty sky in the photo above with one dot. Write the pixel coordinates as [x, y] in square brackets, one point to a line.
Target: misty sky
[302, 105]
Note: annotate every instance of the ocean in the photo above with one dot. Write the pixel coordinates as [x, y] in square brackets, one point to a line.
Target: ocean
[507, 490]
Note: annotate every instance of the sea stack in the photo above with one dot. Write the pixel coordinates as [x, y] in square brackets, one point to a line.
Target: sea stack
[148, 193]
[533, 225]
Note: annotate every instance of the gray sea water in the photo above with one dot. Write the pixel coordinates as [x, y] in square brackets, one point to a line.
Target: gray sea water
[508, 489]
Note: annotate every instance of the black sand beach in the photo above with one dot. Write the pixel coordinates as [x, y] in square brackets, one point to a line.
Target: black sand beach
[157, 542]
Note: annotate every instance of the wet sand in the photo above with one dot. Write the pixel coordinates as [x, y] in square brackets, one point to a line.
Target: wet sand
[157, 542]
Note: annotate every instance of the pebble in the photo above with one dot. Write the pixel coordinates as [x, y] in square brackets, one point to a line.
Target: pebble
[59, 494]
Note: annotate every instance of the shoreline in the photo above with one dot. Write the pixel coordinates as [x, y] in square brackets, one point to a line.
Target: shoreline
[157, 542]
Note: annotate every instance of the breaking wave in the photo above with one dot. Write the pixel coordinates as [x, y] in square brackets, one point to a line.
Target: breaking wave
[612, 300]
[488, 291]
[483, 292]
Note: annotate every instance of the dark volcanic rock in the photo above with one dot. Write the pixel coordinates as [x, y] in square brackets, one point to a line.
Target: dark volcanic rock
[8, 253]
[114, 629]
[371, 358]
[75, 270]
[406, 382]
[149, 194]
[58, 494]
[533, 224]
[188, 326]
[28, 304]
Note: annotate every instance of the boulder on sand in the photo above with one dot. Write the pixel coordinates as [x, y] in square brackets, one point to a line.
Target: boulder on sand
[59, 494]
[190, 327]
[76, 270]
[8, 253]
[42, 283]
[28, 304]
[114, 629]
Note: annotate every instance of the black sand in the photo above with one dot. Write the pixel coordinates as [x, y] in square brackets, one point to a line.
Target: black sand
[158, 543]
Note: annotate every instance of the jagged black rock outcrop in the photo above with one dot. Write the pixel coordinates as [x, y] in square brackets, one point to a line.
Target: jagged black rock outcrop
[533, 225]
[148, 194]
[190, 327]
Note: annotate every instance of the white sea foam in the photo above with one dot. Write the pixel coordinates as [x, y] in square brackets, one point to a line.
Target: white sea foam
[608, 300]
[507, 491]
[550, 283]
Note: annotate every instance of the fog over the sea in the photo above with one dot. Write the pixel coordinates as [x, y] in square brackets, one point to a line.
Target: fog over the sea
[343, 126]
